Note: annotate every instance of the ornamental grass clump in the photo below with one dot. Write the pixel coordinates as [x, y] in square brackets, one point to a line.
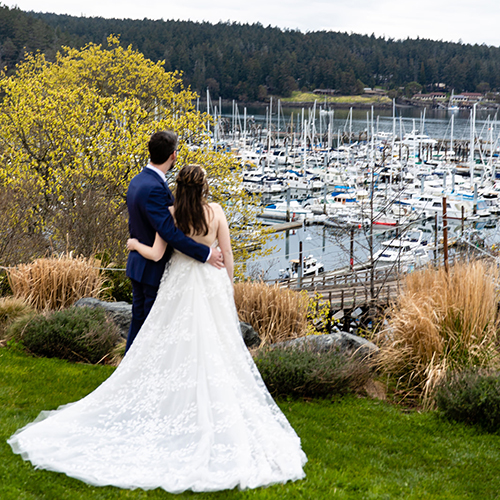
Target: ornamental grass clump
[57, 282]
[276, 314]
[10, 310]
[441, 322]
[75, 334]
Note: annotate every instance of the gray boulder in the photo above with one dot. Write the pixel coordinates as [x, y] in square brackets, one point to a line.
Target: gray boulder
[121, 314]
[250, 336]
[342, 341]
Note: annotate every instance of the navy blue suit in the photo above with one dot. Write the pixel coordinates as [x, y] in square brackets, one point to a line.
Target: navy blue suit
[148, 199]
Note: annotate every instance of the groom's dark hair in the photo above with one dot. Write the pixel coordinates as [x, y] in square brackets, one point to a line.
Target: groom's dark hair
[161, 145]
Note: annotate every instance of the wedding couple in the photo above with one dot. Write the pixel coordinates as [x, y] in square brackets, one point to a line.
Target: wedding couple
[186, 409]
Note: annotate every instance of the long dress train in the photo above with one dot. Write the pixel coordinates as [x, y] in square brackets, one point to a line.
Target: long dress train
[185, 409]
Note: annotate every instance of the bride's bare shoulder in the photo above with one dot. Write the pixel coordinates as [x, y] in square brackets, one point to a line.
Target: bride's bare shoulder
[216, 208]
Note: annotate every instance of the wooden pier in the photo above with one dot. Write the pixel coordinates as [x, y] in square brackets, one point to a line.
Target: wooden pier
[285, 226]
[349, 289]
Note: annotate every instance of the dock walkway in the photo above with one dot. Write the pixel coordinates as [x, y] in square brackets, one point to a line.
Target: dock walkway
[348, 289]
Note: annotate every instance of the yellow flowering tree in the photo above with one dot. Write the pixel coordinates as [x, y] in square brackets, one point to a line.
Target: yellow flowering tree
[74, 132]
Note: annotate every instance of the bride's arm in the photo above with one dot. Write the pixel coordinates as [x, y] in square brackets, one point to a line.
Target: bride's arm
[225, 241]
[151, 253]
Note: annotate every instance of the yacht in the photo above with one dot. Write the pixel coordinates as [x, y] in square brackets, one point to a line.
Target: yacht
[310, 267]
[279, 210]
[410, 249]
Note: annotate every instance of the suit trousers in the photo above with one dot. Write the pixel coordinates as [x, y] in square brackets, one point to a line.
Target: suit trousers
[143, 298]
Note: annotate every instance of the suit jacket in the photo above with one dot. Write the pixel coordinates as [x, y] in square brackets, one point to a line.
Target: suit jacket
[148, 199]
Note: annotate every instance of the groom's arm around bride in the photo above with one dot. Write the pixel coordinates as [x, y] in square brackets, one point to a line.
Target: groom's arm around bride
[148, 199]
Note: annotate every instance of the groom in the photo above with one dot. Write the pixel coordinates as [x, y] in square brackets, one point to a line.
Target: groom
[148, 199]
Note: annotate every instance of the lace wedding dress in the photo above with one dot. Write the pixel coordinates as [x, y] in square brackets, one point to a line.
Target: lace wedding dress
[186, 408]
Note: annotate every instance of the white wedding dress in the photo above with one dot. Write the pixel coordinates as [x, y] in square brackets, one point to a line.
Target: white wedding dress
[186, 409]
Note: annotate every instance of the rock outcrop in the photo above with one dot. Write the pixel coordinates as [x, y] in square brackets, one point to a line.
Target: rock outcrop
[343, 341]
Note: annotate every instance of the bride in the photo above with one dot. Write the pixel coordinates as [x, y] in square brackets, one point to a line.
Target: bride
[186, 409]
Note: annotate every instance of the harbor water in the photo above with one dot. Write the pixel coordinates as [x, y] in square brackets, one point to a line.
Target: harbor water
[332, 248]
[337, 248]
[436, 123]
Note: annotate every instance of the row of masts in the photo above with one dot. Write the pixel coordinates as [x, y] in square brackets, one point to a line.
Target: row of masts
[313, 128]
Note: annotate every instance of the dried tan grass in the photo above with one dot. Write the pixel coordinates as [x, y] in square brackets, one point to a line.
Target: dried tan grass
[441, 322]
[11, 308]
[276, 314]
[117, 354]
[57, 282]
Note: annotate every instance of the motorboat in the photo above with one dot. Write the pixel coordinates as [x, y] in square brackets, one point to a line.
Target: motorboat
[280, 210]
[310, 267]
[408, 250]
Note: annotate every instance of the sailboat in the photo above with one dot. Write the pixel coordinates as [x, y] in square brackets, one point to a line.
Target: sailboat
[451, 106]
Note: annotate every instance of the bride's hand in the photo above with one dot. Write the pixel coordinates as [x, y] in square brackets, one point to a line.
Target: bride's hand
[131, 243]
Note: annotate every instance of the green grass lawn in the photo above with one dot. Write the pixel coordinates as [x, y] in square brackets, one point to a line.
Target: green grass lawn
[357, 448]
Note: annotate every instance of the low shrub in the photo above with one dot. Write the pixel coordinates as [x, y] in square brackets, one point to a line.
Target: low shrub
[472, 397]
[75, 334]
[305, 373]
[10, 310]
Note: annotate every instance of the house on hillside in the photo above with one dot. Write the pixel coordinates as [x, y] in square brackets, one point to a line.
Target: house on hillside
[325, 91]
[432, 97]
[466, 98]
[374, 92]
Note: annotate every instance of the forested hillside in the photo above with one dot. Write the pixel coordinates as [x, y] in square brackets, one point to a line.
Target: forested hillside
[20, 33]
[248, 62]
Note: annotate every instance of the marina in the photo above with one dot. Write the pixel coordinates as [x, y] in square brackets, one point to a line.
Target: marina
[356, 188]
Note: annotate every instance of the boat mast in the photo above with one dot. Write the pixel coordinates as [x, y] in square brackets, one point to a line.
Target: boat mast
[350, 125]
[278, 126]
[393, 137]
[451, 137]
[269, 131]
[208, 111]
[303, 141]
[233, 133]
[472, 145]
[244, 126]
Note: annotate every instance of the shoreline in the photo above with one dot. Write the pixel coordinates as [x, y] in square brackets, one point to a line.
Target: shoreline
[333, 105]
[338, 105]
[354, 104]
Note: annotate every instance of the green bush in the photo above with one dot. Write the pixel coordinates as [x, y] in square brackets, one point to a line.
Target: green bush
[5, 289]
[306, 373]
[472, 397]
[75, 334]
[117, 286]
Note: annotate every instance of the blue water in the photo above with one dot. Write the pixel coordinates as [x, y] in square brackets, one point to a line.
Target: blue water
[332, 247]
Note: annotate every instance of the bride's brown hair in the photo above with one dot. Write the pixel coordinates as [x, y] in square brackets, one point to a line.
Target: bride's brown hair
[190, 200]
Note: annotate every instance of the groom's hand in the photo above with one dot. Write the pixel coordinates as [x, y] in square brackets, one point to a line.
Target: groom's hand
[216, 258]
